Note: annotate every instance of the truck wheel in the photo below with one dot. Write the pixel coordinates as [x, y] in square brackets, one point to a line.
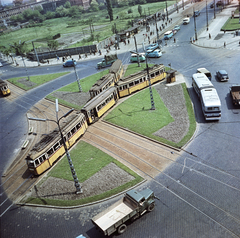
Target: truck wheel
[122, 229]
[151, 207]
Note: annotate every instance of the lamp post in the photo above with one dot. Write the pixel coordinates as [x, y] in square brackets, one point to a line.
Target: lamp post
[77, 78]
[77, 184]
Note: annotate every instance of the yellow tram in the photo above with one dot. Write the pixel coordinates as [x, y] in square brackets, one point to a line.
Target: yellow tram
[98, 105]
[108, 80]
[139, 80]
[5, 91]
[50, 148]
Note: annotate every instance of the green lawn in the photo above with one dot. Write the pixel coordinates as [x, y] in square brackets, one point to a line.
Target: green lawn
[87, 161]
[134, 114]
[231, 25]
[36, 80]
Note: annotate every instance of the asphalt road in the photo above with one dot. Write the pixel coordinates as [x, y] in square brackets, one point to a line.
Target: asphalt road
[199, 194]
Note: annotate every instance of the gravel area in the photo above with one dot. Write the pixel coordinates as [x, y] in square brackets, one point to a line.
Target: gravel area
[107, 178]
[174, 100]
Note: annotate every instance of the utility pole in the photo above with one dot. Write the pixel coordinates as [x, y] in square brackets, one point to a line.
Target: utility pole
[77, 184]
[214, 9]
[207, 15]
[157, 28]
[78, 81]
[36, 54]
[183, 4]
[177, 5]
[137, 51]
[150, 87]
[195, 28]
[167, 10]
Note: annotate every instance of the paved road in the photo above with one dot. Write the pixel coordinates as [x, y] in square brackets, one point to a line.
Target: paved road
[199, 195]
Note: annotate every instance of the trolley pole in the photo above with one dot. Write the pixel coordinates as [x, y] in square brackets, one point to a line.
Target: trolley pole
[195, 28]
[74, 175]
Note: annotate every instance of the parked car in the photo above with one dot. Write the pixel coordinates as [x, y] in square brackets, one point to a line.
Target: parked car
[219, 3]
[212, 5]
[197, 13]
[174, 31]
[222, 75]
[134, 57]
[168, 35]
[177, 27]
[1, 64]
[152, 47]
[70, 63]
[186, 20]
[153, 54]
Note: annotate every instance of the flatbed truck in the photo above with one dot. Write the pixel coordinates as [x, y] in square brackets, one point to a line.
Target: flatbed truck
[108, 60]
[235, 93]
[130, 207]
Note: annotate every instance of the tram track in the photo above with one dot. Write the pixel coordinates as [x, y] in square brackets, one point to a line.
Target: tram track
[112, 141]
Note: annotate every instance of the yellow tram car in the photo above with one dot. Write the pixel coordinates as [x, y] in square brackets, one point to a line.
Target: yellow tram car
[5, 91]
[50, 148]
[139, 80]
[98, 105]
[108, 80]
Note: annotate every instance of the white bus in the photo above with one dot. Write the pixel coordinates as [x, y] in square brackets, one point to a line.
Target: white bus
[210, 102]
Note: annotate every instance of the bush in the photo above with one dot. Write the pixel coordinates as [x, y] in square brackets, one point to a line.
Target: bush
[58, 35]
[130, 11]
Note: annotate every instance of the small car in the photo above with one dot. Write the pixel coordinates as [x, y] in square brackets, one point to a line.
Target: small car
[222, 75]
[153, 54]
[1, 64]
[177, 27]
[186, 20]
[168, 35]
[152, 47]
[197, 13]
[134, 57]
[70, 63]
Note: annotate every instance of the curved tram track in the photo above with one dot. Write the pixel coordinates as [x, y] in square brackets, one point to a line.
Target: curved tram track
[150, 160]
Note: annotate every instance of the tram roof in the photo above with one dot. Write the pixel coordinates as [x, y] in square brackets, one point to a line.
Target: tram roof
[102, 81]
[98, 99]
[115, 66]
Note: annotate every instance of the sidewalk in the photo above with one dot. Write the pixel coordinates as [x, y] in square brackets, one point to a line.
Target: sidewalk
[213, 38]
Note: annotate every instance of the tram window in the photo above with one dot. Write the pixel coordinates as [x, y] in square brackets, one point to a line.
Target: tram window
[56, 146]
[144, 78]
[50, 152]
[157, 73]
[99, 107]
[37, 162]
[40, 159]
[131, 84]
[152, 75]
[78, 126]
[120, 88]
[73, 130]
[68, 134]
[44, 157]
[125, 87]
[136, 82]
[140, 80]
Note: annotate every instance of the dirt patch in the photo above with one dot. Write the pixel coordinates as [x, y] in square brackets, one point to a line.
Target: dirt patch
[109, 177]
[78, 98]
[27, 82]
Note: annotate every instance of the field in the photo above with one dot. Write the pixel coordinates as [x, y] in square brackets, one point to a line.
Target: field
[76, 32]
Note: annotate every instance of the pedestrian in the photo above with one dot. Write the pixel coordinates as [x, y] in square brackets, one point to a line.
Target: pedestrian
[100, 53]
[63, 59]
[224, 44]
[47, 61]
[85, 55]
[79, 57]
[128, 41]
[174, 40]
[209, 36]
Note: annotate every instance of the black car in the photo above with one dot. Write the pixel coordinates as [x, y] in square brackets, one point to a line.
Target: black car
[222, 75]
[196, 13]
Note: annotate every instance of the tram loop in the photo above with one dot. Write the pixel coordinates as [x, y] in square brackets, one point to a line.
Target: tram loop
[175, 186]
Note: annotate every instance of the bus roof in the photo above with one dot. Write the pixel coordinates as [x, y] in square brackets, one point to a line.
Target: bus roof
[202, 81]
[210, 97]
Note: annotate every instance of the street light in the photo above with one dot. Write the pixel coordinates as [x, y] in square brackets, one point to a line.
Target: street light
[77, 78]
[77, 184]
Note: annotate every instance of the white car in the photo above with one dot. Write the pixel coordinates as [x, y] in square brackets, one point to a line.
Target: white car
[1, 64]
[153, 54]
[186, 20]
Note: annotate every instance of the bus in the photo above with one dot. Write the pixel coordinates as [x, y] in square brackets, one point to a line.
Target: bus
[210, 102]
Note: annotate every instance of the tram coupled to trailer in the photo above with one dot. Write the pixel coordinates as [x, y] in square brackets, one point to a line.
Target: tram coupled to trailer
[47, 151]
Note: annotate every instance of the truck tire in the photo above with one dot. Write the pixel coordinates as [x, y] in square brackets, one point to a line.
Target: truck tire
[122, 229]
[151, 207]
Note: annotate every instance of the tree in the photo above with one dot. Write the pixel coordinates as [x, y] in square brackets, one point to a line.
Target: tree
[109, 9]
[94, 6]
[52, 44]
[140, 10]
[49, 15]
[67, 4]
[19, 48]
[61, 11]
[74, 12]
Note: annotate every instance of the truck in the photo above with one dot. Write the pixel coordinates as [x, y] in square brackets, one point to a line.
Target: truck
[107, 61]
[133, 205]
[235, 93]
